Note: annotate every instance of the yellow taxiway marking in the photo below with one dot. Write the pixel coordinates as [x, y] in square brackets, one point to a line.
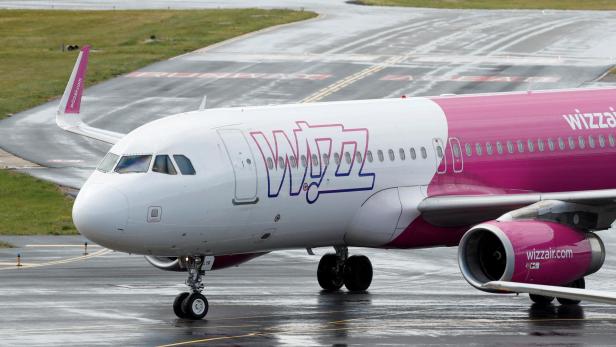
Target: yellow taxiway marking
[191, 342]
[60, 261]
[345, 82]
[60, 246]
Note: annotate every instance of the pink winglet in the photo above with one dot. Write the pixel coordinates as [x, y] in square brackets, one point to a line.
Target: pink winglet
[74, 100]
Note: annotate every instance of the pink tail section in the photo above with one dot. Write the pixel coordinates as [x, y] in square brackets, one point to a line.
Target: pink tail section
[73, 103]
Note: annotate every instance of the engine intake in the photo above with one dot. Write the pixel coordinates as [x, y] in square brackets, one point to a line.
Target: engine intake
[528, 251]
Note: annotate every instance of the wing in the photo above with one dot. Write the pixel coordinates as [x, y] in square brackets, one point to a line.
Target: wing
[589, 210]
[68, 112]
[559, 292]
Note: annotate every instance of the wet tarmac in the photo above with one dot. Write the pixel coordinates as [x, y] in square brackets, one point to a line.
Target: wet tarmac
[349, 52]
[60, 297]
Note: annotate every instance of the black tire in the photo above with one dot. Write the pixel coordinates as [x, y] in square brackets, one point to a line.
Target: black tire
[195, 306]
[328, 274]
[357, 273]
[177, 305]
[541, 299]
[581, 284]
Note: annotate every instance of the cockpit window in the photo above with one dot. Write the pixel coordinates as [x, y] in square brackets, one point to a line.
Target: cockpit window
[184, 164]
[163, 164]
[134, 164]
[106, 165]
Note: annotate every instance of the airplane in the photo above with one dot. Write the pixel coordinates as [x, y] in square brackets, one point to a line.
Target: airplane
[518, 181]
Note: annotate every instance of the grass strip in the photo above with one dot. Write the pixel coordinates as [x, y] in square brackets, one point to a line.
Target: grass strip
[499, 5]
[34, 69]
[29, 206]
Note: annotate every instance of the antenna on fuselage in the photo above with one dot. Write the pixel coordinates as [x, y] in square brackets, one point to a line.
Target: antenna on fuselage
[203, 103]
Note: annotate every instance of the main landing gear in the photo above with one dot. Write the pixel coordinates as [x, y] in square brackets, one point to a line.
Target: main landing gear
[546, 300]
[334, 270]
[192, 305]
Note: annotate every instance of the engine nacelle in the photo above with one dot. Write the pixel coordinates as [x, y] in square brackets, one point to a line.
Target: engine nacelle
[210, 262]
[528, 251]
[165, 263]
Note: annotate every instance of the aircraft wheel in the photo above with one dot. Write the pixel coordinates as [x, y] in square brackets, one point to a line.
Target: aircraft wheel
[541, 299]
[357, 273]
[328, 273]
[195, 306]
[177, 305]
[581, 284]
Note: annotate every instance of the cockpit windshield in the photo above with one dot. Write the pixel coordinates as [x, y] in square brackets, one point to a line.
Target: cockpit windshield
[134, 164]
[108, 162]
[184, 164]
[163, 164]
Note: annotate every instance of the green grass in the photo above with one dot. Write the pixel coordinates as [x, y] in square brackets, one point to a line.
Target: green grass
[30, 206]
[499, 4]
[33, 68]
[4, 244]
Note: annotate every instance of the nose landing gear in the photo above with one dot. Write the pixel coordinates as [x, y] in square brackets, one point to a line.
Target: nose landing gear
[334, 270]
[192, 305]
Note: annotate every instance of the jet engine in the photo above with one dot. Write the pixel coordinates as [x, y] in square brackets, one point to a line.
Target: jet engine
[165, 263]
[210, 263]
[528, 251]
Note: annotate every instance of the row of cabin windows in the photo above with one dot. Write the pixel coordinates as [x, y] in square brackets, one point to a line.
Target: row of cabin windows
[348, 157]
[539, 145]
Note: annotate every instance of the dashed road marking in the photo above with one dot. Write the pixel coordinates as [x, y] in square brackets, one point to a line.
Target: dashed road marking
[343, 83]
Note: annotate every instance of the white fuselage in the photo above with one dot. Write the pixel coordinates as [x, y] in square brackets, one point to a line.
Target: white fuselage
[269, 178]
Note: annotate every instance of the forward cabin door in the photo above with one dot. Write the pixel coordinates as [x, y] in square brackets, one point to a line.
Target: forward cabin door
[244, 166]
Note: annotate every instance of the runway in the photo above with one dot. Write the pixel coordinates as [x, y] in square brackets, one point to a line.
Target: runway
[349, 52]
[417, 297]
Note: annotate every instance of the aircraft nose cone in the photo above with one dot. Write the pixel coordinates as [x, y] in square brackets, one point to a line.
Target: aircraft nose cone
[100, 213]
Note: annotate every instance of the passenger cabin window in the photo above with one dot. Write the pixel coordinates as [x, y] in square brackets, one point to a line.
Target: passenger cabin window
[499, 147]
[489, 148]
[601, 141]
[591, 141]
[369, 155]
[551, 145]
[402, 154]
[424, 153]
[540, 145]
[520, 146]
[439, 151]
[391, 155]
[134, 164]
[184, 164]
[358, 157]
[469, 151]
[413, 153]
[270, 163]
[380, 155]
[611, 139]
[581, 142]
[510, 147]
[325, 159]
[347, 157]
[561, 144]
[571, 142]
[164, 165]
[478, 149]
[531, 146]
[108, 162]
[337, 158]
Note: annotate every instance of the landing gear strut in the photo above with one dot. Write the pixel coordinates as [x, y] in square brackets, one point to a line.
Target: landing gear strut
[334, 270]
[192, 305]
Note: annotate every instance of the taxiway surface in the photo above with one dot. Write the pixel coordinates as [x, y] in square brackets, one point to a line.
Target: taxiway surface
[416, 298]
[349, 52]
